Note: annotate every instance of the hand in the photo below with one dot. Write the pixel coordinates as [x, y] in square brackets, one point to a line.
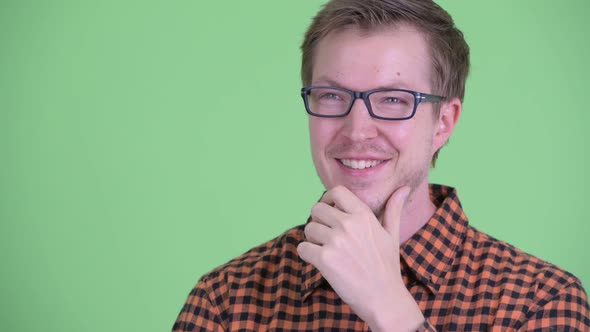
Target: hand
[359, 257]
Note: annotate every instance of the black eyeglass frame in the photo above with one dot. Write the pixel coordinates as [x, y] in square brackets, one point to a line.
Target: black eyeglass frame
[364, 95]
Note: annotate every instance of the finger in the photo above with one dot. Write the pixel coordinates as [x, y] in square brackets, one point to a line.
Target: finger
[326, 214]
[393, 211]
[309, 252]
[343, 199]
[317, 233]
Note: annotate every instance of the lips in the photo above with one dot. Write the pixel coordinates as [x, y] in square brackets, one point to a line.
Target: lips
[360, 163]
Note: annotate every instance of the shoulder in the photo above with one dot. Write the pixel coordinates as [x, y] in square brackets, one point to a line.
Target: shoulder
[262, 261]
[529, 292]
[519, 272]
[239, 287]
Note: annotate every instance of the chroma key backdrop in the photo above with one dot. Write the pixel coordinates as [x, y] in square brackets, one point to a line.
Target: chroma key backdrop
[143, 143]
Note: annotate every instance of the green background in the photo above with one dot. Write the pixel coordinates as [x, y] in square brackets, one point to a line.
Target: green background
[143, 143]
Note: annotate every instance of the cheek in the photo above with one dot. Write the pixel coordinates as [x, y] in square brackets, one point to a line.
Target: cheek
[410, 138]
[314, 137]
[319, 135]
[400, 136]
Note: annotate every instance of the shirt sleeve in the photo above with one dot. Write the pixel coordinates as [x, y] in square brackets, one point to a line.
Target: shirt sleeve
[567, 311]
[199, 313]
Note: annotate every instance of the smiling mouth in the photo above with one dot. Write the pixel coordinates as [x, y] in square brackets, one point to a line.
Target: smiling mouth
[359, 164]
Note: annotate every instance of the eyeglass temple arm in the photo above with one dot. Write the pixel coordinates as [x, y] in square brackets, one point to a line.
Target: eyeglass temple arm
[429, 98]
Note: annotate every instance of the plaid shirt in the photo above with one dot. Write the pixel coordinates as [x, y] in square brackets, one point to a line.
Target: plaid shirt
[461, 278]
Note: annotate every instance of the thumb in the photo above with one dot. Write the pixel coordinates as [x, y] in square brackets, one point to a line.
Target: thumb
[393, 211]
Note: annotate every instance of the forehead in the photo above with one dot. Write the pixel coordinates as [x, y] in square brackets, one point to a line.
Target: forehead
[362, 60]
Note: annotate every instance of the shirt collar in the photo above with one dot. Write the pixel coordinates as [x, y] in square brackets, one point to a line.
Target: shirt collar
[310, 277]
[429, 253]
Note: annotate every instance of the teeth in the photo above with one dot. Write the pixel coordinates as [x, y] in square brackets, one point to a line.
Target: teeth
[360, 164]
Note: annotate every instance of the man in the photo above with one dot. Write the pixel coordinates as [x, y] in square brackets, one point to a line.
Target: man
[383, 250]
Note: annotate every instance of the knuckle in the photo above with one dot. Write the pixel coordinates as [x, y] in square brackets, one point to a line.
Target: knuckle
[301, 248]
[315, 208]
[349, 223]
[338, 241]
[309, 230]
[302, 251]
[306, 230]
[367, 217]
[326, 256]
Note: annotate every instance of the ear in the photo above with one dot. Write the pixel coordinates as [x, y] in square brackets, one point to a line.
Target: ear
[449, 114]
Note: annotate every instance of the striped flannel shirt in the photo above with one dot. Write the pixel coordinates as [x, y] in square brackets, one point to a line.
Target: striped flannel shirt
[461, 278]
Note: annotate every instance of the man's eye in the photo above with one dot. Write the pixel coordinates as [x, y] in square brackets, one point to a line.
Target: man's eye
[331, 96]
[392, 100]
[395, 100]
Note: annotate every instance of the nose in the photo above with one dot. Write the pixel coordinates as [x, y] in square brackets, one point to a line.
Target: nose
[358, 124]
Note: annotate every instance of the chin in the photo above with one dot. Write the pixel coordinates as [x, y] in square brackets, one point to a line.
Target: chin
[374, 199]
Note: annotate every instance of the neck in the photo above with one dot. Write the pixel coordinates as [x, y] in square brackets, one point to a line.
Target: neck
[416, 212]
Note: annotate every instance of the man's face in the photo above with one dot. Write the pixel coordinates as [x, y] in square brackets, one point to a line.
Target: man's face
[401, 150]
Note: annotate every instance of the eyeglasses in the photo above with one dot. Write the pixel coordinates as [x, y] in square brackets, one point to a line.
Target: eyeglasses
[384, 104]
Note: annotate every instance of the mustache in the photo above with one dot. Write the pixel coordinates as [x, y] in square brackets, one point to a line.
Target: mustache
[360, 148]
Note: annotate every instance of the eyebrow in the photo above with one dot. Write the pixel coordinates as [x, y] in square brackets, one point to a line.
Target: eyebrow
[328, 81]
